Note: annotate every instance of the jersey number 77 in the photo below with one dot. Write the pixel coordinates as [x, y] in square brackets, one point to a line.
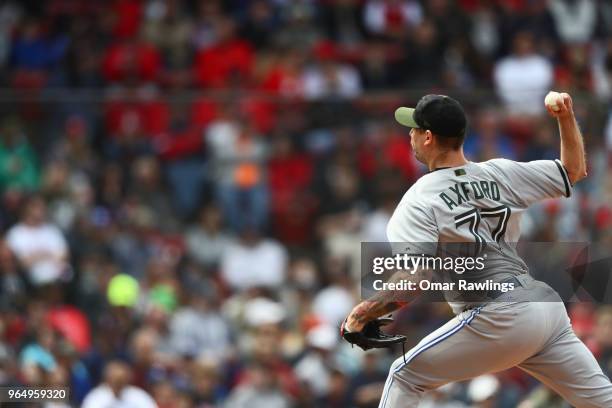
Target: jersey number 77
[473, 217]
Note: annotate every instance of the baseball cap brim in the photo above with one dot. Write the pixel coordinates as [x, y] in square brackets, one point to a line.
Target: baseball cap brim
[405, 117]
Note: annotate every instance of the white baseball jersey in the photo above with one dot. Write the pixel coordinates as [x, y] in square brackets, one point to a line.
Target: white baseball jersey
[481, 203]
[477, 203]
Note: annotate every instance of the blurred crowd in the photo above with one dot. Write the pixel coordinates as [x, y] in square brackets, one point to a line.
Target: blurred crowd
[185, 185]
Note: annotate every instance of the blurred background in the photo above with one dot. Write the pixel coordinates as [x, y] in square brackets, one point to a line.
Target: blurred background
[185, 184]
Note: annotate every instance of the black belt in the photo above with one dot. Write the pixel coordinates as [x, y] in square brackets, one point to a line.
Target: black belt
[494, 294]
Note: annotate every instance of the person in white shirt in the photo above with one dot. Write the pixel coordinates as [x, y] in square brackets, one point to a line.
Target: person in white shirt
[254, 261]
[116, 391]
[575, 20]
[38, 245]
[331, 79]
[523, 78]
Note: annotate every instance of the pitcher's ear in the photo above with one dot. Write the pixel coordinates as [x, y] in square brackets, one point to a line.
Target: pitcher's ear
[428, 137]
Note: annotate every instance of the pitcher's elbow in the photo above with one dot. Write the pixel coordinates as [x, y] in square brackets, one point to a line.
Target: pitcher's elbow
[577, 176]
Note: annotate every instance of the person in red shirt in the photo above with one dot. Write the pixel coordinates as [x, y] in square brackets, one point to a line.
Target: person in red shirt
[227, 62]
[131, 60]
[292, 206]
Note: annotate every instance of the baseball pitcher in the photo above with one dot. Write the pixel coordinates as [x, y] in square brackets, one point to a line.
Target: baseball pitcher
[463, 201]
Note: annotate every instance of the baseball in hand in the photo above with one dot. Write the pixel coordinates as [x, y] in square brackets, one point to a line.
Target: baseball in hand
[553, 99]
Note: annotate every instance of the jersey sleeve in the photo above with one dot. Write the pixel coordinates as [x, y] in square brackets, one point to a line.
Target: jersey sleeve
[535, 180]
[412, 228]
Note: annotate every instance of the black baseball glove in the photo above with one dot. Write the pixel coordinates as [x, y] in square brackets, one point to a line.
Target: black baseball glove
[371, 336]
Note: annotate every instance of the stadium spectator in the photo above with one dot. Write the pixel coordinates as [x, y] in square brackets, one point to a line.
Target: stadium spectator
[131, 61]
[38, 245]
[260, 24]
[205, 27]
[315, 367]
[254, 261]
[18, 163]
[291, 201]
[424, 59]
[331, 303]
[206, 241]
[374, 227]
[329, 79]
[228, 62]
[484, 34]
[33, 51]
[392, 18]
[488, 140]
[169, 30]
[260, 391]
[238, 156]
[12, 283]
[116, 390]
[299, 28]
[148, 192]
[342, 20]
[198, 329]
[207, 382]
[379, 66]
[523, 78]
[575, 20]
[74, 148]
